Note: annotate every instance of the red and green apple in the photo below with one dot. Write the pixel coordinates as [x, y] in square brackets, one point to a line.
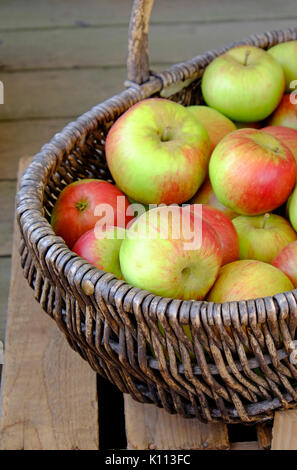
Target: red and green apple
[78, 208]
[206, 195]
[160, 253]
[224, 229]
[252, 172]
[158, 152]
[216, 124]
[286, 113]
[286, 135]
[262, 237]
[286, 261]
[101, 248]
[248, 279]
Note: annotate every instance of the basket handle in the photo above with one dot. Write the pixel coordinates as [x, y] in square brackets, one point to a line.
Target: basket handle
[138, 55]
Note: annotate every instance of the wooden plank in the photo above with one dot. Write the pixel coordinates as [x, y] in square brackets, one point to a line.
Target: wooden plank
[5, 264]
[57, 13]
[284, 431]
[7, 197]
[148, 427]
[57, 94]
[49, 397]
[24, 138]
[264, 435]
[249, 445]
[94, 47]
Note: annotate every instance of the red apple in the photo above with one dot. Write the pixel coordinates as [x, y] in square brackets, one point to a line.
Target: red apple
[172, 252]
[286, 135]
[158, 152]
[216, 124]
[286, 261]
[252, 172]
[224, 229]
[206, 195]
[101, 248]
[248, 279]
[84, 203]
[286, 113]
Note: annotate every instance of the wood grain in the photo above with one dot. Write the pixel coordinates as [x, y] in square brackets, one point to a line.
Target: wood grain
[4, 289]
[82, 47]
[264, 435]
[248, 445]
[148, 427]
[59, 13]
[284, 432]
[49, 396]
[58, 93]
[7, 197]
[24, 138]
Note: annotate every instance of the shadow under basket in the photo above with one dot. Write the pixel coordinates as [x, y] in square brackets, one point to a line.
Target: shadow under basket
[239, 365]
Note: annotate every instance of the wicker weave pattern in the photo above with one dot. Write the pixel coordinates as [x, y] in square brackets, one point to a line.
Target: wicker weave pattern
[211, 378]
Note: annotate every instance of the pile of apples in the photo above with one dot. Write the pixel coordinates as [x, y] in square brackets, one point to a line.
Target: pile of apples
[226, 169]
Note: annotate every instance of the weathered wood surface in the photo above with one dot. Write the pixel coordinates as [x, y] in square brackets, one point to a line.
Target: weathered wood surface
[249, 445]
[59, 13]
[5, 263]
[264, 435]
[7, 197]
[148, 427]
[284, 432]
[80, 47]
[24, 138]
[49, 394]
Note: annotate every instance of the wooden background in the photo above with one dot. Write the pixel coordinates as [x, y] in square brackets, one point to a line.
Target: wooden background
[60, 57]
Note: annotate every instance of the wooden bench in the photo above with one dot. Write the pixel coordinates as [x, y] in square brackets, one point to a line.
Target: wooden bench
[51, 398]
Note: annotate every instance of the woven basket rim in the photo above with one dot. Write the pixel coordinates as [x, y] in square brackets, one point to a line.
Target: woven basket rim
[75, 132]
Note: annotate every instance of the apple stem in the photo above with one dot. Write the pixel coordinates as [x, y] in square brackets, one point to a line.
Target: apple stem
[247, 53]
[265, 218]
[165, 134]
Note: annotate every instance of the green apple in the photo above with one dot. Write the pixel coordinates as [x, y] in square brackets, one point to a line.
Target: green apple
[252, 172]
[248, 279]
[160, 253]
[262, 237]
[158, 152]
[101, 247]
[245, 83]
[286, 54]
[292, 208]
[216, 124]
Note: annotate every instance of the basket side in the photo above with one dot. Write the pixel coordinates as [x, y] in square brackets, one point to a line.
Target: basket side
[211, 376]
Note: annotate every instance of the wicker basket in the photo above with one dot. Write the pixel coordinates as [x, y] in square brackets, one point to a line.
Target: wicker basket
[215, 377]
